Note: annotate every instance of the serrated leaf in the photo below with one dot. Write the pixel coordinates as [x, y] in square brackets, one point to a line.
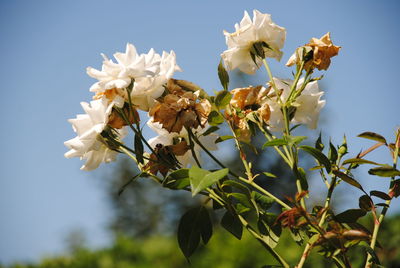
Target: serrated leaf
[372, 136]
[194, 224]
[263, 201]
[359, 161]
[177, 179]
[242, 199]
[139, 149]
[318, 155]
[275, 142]
[222, 99]
[350, 215]
[215, 118]
[385, 171]
[223, 75]
[348, 179]
[210, 130]
[267, 227]
[232, 224]
[380, 194]
[200, 179]
[365, 202]
[224, 138]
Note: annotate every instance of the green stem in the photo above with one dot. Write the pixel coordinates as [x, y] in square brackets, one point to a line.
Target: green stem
[263, 241]
[211, 155]
[379, 221]
[191, 144]
[269, 138]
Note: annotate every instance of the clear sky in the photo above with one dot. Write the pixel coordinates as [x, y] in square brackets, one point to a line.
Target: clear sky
[47, 45]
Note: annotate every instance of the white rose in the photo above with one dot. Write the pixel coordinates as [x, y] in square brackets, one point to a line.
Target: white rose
[247, 33]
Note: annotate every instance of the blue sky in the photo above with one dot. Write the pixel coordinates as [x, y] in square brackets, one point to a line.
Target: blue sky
[47, 45]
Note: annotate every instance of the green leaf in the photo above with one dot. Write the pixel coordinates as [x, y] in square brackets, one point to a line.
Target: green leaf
[263, 201]
[267, 227]
[215, 118]
[318, 143]
[350, 215]
[210, 130]
[385, 171]
[268, 174]
[177, 179]
[359, 161]
[194, 224]
[372, 136]
[318, 155]
[223, 75]
[200, 179]
[232, 224]
[222, 99]
[348, 179]
[371, 252]
[294, 140]
[236, 185]
[381, 195]
[139, 149]
[275, 142]
[332, 154]
[301, 175]
[365, 203]
[242, 199]
[224, 138]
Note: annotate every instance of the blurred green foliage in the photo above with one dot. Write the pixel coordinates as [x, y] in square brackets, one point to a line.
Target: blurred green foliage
[223, 251]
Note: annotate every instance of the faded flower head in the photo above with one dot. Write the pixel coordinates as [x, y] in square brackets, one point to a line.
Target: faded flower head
[316, 54]
[245, 101]
[89, 143]
[179, 109]
[261, 34]
[148, 72]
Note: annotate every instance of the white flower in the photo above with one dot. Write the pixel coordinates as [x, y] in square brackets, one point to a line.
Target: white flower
[87, 144]
[308, 104]
[166, 138]
[148, 71]
[247, 33]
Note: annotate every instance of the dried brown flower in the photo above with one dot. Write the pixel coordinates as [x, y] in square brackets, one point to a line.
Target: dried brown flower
[116, 121]
[244, 101]
[180, 109]
[322, 50]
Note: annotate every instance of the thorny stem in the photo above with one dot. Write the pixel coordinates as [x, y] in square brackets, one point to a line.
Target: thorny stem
[379, 221]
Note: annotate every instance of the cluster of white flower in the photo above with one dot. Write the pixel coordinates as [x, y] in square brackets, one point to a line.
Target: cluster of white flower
[148, 73]
[139, 81]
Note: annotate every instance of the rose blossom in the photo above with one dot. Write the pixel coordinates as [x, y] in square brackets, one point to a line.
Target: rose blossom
[240, 43]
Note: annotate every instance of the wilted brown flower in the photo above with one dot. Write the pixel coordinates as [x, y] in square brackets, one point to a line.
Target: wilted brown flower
[163, 158]
[116, 121]
[180, 109]
[244, 101]
[322, 51]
